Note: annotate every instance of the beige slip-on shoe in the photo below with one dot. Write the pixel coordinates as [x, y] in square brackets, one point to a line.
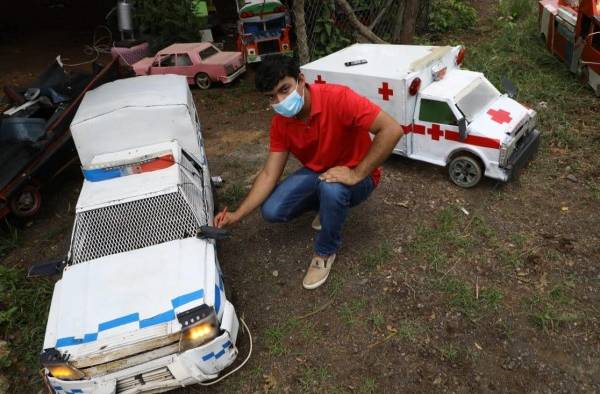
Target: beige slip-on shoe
[318, 271]
[316, 223]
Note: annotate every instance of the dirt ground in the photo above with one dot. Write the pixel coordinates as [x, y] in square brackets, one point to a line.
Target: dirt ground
[436, 288]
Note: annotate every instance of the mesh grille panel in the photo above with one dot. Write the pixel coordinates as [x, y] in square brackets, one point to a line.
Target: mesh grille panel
[134, 225]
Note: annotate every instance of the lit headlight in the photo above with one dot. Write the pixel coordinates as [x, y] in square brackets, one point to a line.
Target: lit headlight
[199, 326]
[65, 372]
[58, 365]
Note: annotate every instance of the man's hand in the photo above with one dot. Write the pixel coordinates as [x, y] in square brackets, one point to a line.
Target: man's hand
[344, 175]
[225, 218]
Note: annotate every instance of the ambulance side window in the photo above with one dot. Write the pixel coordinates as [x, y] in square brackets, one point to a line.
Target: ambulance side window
[434, 111]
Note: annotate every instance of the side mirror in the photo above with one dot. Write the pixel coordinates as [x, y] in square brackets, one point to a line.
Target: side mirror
[47, 268]
[212, 233]
[510, 88]
[462, 129]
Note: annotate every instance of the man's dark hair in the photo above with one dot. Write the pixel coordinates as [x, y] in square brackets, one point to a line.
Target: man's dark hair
[273, 69]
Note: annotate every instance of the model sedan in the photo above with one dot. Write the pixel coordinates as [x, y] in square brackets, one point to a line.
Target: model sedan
[200, 62]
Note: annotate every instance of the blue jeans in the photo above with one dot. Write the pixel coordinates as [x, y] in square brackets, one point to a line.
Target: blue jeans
[303, 191]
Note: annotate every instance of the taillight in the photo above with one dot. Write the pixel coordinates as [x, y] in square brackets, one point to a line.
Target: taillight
[246, 14]
[414, 86]
[461, 56]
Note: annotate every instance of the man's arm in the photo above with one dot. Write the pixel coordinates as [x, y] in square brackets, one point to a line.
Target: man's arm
[387, 134]
[263, 185]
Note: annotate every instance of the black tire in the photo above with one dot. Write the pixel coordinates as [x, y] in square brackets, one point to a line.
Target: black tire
[26, 202]
[203, 81]
[465, 171]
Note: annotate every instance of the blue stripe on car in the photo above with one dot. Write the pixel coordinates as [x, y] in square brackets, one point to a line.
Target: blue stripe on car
[162, 317]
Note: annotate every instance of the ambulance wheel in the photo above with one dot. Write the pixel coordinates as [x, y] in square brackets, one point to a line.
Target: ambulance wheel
[202, 81]
[26, 202]
[465, 171]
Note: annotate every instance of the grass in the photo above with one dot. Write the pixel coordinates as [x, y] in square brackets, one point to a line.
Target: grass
[313, 379]
[351, 312]
[369, 386]
[463, 297]
[274, 339]
[409, 330]
[377, 319]
[381, 254]
[449, 352]
[22, 323]
[551, 310]
[232, 195]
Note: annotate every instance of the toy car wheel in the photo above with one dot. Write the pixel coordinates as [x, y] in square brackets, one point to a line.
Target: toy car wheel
[202, 81]
[465, 171]
[26, 202]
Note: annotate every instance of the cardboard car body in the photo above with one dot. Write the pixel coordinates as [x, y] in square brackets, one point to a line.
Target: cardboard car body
[425, 90]
[571, 31]
[200, 62]
[138, 280]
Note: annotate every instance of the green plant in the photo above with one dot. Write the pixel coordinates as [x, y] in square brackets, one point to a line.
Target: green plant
[377, 319]
[329, 37]
[233, 195]
[381, 254]
[514, 9]
[350, 312]
[274, 340]
[23, 316]
[168, 22]
[450, 15]
[369, 386]
[449, 353]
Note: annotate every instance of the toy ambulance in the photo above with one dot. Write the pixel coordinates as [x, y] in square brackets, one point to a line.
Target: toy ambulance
[141, 303]
[450, 117]
[571, 30]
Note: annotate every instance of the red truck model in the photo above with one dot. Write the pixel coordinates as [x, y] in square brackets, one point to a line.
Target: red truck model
[571, 30]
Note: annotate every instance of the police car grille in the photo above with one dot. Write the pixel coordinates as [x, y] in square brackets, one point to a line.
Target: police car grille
[138, 381]
[134, 225]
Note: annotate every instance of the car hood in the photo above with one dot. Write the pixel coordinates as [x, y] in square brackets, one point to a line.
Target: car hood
[499, 119]
[141, 67]
[119, 300]
[223, 58]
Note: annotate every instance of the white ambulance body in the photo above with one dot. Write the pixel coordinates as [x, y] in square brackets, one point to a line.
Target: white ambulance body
[141, 303]
[450, 117]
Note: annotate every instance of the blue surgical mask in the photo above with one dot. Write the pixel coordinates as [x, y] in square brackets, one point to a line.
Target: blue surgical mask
[291, 105]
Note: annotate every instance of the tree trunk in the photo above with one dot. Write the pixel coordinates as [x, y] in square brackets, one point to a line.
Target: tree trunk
[409, 21]
[362, 29]
[301, 38]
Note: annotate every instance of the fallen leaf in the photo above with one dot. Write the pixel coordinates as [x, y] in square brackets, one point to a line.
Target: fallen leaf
[391, 329]
[270, 383]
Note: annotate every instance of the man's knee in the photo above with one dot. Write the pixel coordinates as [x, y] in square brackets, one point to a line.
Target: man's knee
[271, 212]
[334, 193]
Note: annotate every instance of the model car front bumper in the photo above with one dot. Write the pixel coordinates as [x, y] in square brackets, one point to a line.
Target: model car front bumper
[523, 155]
[232, 77]
[165, 373]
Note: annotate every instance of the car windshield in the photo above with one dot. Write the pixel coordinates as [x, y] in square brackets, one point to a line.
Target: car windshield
[208, 52]
[478, 96]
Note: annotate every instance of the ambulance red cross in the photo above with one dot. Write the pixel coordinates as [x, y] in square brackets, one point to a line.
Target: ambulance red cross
[451, 117]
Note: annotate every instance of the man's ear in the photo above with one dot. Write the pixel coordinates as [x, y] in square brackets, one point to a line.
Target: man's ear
[301, 78]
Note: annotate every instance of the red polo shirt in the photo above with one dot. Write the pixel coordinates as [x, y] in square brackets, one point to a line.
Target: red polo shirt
[335, 134]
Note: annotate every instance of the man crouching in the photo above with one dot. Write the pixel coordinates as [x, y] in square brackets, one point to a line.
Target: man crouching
[326, 126]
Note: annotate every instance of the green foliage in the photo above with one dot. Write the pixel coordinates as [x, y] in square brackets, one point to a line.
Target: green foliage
[24, 309]
[514, 9]
[329, 38]
[167, 22]
[450, 15]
